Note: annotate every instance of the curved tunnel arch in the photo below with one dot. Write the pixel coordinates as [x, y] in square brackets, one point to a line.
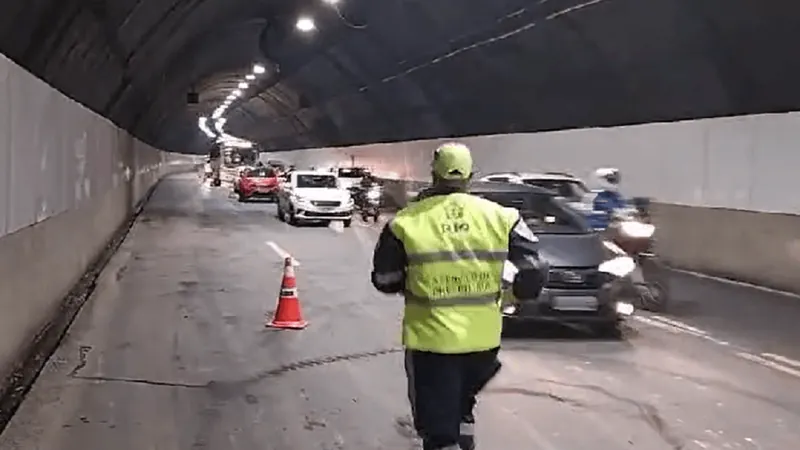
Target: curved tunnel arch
[417, 70]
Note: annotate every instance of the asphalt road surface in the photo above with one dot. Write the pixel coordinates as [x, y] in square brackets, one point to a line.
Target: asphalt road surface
[171, 353]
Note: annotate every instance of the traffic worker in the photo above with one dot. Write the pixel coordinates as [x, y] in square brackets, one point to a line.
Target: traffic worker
[446, 252]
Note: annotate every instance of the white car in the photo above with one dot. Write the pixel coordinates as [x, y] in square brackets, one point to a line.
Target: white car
[314, 196]
[572, 189]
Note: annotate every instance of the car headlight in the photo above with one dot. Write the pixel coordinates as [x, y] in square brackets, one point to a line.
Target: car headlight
[637, 229]
[620, 266]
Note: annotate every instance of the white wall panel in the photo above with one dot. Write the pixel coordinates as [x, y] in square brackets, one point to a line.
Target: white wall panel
[740, 162]
[777, 164]
[729, 145]
[52, 131]
[27, 106]
[56, 155]
[5, 146]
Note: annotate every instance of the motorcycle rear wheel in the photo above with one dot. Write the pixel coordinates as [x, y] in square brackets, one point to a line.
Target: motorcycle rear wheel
[653, 297]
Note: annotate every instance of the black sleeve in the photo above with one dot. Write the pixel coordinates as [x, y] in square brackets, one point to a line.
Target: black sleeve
[523, 252]
[523, 247]
[389, 263]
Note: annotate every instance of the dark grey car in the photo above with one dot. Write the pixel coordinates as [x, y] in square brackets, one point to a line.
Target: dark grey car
[586, 274]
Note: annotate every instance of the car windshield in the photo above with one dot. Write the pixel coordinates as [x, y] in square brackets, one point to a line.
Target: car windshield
[542, 212]
[572, 190]
[264, 172]
[353, 172]
[316, 181]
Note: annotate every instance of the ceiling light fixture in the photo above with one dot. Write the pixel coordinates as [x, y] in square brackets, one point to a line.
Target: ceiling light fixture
[243, 85]
[250, 77]
[202, 123]
[305, 24]
[259, 69]
[236, 93]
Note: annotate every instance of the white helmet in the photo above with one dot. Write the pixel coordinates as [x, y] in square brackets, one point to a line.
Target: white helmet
[608, 178]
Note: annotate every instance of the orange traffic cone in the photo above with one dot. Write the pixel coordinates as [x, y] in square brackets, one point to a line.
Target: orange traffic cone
[288, 314]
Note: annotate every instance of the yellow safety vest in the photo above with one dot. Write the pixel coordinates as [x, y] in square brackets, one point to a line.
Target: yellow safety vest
[456, 246]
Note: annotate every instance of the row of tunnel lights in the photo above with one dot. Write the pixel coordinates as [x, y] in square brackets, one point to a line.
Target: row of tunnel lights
[304, 24]
[217, 116]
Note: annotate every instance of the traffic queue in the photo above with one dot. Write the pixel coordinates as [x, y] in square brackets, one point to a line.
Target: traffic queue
[577, 226]
[303, 196]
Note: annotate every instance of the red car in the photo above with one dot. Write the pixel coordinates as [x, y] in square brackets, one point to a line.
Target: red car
[260, 182]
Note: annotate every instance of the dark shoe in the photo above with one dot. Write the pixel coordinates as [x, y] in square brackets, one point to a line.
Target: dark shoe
[466, 442]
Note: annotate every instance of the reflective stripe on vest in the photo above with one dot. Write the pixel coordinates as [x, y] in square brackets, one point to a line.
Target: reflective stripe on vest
[453, 255]
[452, 301]
[456, 246]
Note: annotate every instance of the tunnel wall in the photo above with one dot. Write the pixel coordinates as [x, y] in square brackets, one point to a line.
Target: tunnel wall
[725, 188]
[68, 180]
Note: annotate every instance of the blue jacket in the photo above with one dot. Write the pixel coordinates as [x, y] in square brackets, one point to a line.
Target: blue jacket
[606, 202]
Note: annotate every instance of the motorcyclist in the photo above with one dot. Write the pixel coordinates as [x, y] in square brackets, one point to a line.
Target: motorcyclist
[367, 181]
[362, 192]
[608, 199]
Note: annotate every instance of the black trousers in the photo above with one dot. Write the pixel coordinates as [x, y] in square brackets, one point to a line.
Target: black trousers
[442, 390]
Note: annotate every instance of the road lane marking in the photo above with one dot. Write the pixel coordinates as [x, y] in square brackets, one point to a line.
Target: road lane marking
[676, 327]
[767, 363]
[282, 253]
[782, 359]
[736, 283]
[679, 324]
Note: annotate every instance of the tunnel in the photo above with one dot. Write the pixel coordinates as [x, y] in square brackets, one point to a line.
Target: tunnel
[139, 300]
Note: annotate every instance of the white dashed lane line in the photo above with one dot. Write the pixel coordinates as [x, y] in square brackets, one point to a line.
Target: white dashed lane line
[282, 253]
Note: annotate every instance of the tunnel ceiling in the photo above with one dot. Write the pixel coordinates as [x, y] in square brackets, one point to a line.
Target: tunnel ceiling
[393, 70]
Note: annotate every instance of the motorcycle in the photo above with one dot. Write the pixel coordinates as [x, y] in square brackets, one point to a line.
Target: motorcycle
[367, 201]
[632, 231]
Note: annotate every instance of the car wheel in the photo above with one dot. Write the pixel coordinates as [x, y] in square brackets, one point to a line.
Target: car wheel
[292, 218]
[347, 223]
[242, 198]
[613, 330]
[281, 215]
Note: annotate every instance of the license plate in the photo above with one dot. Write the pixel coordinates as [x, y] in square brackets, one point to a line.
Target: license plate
[575, 303]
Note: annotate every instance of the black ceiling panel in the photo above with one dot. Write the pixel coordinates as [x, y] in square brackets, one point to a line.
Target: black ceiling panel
[394, 70]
